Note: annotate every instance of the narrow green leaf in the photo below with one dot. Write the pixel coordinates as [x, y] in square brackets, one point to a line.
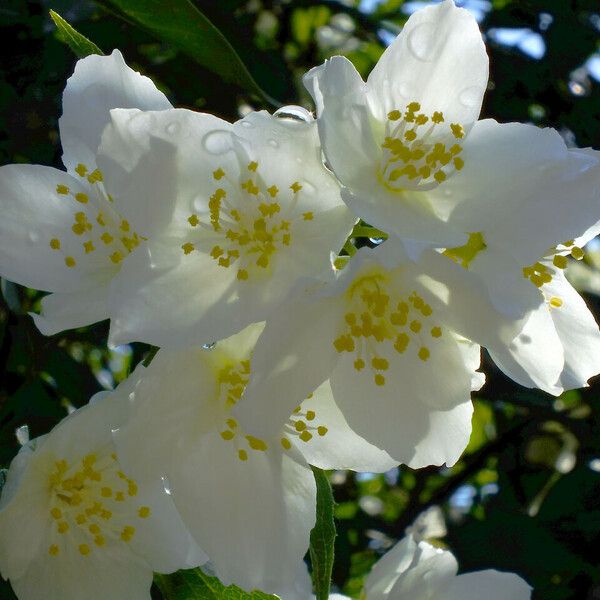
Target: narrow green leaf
[322, 537]
[80, 45]
[181, 24]
[194, 584]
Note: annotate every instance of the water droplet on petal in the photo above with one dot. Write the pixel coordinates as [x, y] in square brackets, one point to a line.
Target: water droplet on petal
[273, 143]
[421, 41]
[294, 112]
[34, 237]
[376, 241]
[209, 346]
[247, 124]
[470, 96]
[218, 142]
[173, 128]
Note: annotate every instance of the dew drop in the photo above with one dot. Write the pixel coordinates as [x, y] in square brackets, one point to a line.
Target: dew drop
[218, 142]
[34, 237]
[294, 113]
[470, 96]
[247, 124]
[376, 241]
[209, 346]
[421, 41]
[173, 128]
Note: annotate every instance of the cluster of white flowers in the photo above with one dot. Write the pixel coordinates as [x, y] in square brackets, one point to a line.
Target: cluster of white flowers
[220, 243]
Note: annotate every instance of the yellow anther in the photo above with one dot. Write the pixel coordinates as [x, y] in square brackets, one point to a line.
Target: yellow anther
[106, 238]
[424, 353]
[81, 170]
[439, 176]
[218, 174]
[457, 130]
[78, 228]
[401, 343]
[95, 176]
[127, 533]
[53, 550]
[560, 261]
[256, 443]
[410, 135]
[273, 191]
[359, 364]
[193, 220]
[379, 379]
[438, 117]
[242, 274]
[310, 415]
[63, 527]
[414, 107]
[227, 434]
[295, 187]
[300, 425]
[381, 364]
[242, 455]
[106, 492]
[124, 226]
[577, 253]
[88, 247]
[217, 251]
[94, 529]
[286, 443]
[80, 519]
[556, 302]
[251, 187]
[394, 115]
[70, 261]
[55, 244]
[415, 326]
[106, 515]
[116, 257]
[132, 488]
[82, 198]
[436, 332]
[231, 423]
[100, 540]
[62, 189]
[144, 512]
[187, 248]
[322, 430]
[252, 166]
[100, 220]
[305, 436]
[308, 216]
[56, 513]
[459, 163]
[119, 497]
[84, 549]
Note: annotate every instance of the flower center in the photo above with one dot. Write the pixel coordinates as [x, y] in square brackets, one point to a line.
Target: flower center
[247, 219]
[232, 380]
[379, 321]
[99, 233]
[419, 151]
[91, 504]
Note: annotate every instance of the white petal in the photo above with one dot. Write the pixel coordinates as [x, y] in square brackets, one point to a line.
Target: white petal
[389, 567]
[344, 119]
[340, 447]
[252, 517]
[33, 214]
[535, 357]
[74, 309]
[401, 416]
[290, 360]
[522, 188]
[578, 333]
[98, 84]
[497, 586]
[120, 577]
[439, 60]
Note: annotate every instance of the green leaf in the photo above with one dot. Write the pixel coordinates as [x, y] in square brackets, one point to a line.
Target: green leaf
[181, 24]
[194, 584]
[80, 45]
[322, 536]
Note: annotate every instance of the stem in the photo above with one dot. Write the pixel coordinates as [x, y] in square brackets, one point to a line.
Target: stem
[365, 231]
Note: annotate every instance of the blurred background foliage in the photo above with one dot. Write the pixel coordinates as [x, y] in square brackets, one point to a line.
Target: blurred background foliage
[525, 496]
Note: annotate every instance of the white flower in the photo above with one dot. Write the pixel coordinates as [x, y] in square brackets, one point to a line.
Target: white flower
[248, 501]
[73, 522]
[398, 372]
[414, 570]
[393, 139]
[61, 232]
[249, 209]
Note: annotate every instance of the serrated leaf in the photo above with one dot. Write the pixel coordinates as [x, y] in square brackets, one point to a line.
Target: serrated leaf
[322, 536]
[183, 25]
[78, 43]
[194, 584]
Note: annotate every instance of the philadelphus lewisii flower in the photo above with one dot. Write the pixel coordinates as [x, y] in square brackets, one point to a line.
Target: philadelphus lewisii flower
[253, 210]
[65, 232]
[248, 501]
[397, 370]
[509, 203]
[74, 524]
[416, 570]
